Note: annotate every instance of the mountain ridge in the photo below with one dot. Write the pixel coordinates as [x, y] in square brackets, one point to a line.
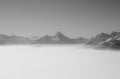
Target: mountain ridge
[102, 40]
[58, 38]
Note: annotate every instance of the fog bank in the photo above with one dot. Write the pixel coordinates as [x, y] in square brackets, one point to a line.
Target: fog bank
[58, 62]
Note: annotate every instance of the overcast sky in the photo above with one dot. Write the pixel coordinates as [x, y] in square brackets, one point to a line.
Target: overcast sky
[72, 17]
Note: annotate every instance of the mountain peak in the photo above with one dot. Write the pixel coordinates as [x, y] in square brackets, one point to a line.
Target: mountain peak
[59, 33]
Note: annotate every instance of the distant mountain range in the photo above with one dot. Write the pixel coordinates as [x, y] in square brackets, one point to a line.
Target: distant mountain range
[9, 40]
[102, 40]
[59, 38]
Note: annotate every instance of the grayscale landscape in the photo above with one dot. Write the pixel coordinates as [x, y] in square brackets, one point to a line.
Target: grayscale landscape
[59, 39]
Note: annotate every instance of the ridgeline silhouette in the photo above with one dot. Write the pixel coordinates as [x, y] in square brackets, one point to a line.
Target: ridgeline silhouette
[103, 40]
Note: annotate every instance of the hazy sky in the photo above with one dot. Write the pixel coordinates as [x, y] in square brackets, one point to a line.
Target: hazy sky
[73, 17]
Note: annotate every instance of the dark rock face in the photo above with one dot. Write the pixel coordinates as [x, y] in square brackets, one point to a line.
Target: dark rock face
[113, 42]
[104, 40]
[116, 44]
[99, 38]
[113, 34]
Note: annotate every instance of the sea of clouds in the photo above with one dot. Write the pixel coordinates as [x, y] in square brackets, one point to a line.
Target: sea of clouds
[58, 62]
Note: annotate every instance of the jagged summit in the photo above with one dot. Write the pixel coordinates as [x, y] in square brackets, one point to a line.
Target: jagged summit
[58, 38]
[59, 35]
[104, 40]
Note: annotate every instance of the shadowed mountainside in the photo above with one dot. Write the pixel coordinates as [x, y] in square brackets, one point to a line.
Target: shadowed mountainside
[104, 40]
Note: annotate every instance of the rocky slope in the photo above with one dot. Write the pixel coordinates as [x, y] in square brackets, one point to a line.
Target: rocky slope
[103, 40]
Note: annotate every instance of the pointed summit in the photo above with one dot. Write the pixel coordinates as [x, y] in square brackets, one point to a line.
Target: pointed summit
[58, 38]
[59, 34]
